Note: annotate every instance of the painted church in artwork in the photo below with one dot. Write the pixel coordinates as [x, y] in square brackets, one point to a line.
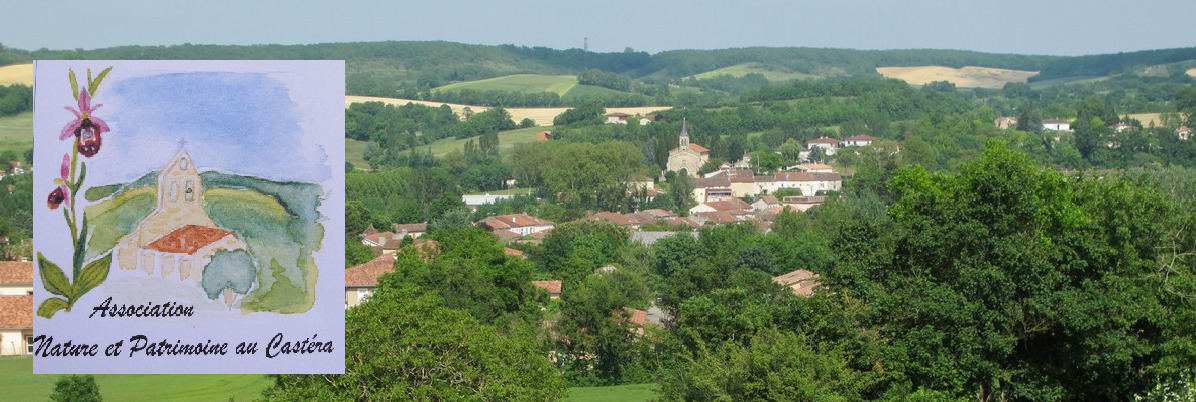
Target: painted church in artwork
[687, 155]
[177, 236]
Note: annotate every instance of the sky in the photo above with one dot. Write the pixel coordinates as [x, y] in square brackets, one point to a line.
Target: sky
[1052, 27]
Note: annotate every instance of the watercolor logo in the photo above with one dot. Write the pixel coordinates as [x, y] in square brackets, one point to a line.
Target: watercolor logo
[207, 235]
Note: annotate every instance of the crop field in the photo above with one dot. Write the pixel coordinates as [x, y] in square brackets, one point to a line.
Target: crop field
[1192, 72]
[541, 115]
[506, 141]
[523, 83]
[16, 132]
[16, 74]
[740, 70]
[967, 77]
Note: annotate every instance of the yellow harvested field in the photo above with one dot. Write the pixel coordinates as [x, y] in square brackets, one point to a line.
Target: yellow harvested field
[542, 116]
[967, 77]
[1148, 118]
[16, 74]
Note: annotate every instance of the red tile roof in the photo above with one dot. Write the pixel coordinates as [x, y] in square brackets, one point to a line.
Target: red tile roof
[16, 311]
[513, 221]
[513, 252]
[824, 140]
[553, 287]
[367, 273]
[699, 148]
[411, 227]
[801, 281]
[188, 239]
[16, 272]
[638, 317]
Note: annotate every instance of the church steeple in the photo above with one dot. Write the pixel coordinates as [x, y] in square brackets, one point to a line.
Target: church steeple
[684, 134]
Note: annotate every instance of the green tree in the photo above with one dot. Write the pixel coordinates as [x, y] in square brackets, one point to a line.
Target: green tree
[406, 345]
[76, 388]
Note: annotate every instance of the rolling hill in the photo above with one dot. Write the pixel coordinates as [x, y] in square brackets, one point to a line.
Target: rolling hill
[769, 73]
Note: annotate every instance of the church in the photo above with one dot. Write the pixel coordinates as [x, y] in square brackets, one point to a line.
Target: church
[687, 155]
[177, 235]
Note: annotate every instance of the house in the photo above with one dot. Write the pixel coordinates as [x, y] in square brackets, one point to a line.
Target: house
[361, 280]
[716, 187]
[802, 202]
[520, 224]
[1184, 133]
[810, 183]
[177, 235]
[687, 155]
[813, 168]
[827, 144]
[1006, 122]
[733, 205]
[383, 242]
[638, 320]
[16, 168]
[617, 118]
[553, 288]
[3, 173]
[801, 281]
[473, 201]
[766, 203]
[1122, 127]
[415, 230]
[649, 119]
[858, 141]
[1056, 125]
[544, 135]
[16, 307]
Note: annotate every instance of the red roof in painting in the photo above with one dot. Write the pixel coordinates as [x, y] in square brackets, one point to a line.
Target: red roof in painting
[16, 272]
[188, 239]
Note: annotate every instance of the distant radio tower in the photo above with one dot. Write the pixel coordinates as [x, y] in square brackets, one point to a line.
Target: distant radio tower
[585, 44]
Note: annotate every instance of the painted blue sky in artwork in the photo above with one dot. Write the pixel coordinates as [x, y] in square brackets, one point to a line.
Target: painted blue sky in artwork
[245, 123]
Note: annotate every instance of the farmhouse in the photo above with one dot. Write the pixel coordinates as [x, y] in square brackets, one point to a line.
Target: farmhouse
[827, 144]
[617, 118]
[687, 155]
[801, 281]
[361, 280]
[1056, 125]
[517, 224]
[16, 307]
[1006, 122]
[178, 235]
[858, 141]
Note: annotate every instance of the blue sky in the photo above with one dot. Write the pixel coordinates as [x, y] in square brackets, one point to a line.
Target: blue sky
[1068, 27]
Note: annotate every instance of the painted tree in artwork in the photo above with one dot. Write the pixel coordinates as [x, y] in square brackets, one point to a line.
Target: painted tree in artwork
[228, 274]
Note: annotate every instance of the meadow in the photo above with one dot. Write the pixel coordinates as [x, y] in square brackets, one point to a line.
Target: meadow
[16, 133]
[740, 70]
[18, 383]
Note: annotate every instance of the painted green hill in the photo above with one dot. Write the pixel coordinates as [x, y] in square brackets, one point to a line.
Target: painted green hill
[278, 220]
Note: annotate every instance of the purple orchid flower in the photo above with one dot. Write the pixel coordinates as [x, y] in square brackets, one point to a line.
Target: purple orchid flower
[86, 128]
[62, 193]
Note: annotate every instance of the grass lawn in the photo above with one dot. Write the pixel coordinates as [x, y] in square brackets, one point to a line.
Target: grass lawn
[16, 133]
[354, 150]
[522, 83]
[506, 141]
[633, 392]
[740, 70]
[18, 383]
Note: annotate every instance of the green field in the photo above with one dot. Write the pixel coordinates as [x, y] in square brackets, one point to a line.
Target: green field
[634, 392]
[18, 383]
[16, 133]
[523, 83]
[506, 141]
[564, 85]
[740, 70]
[354, 150]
